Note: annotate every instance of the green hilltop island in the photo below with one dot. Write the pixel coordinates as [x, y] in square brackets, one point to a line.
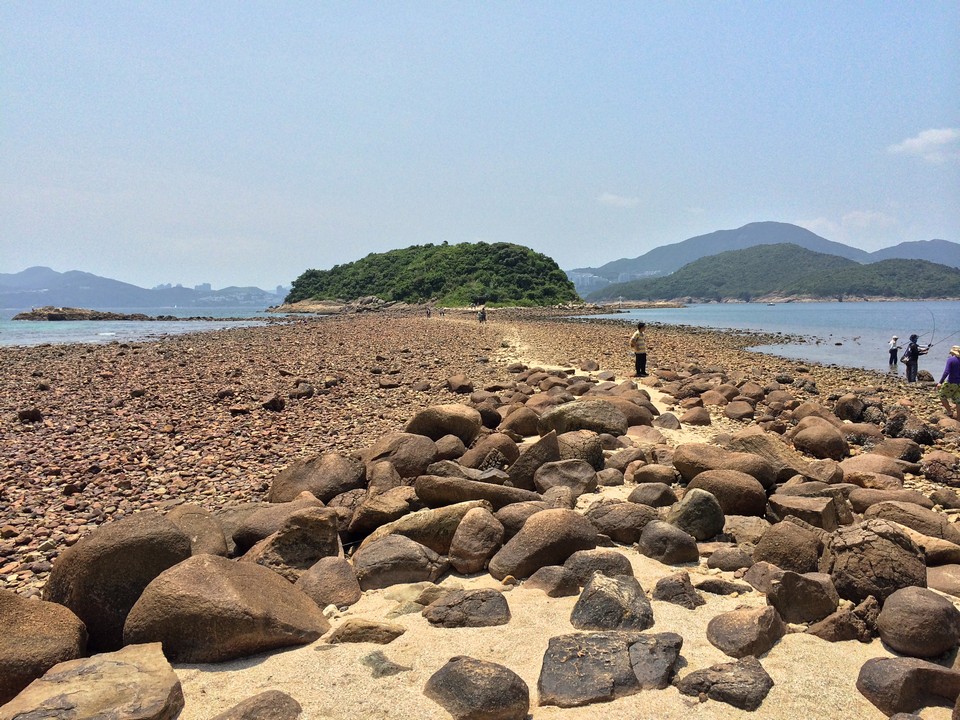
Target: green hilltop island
[787, 272]
[465, 274]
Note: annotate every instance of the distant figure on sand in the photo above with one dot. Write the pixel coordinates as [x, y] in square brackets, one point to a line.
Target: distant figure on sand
[911, 358]
[638, 345]
[482, 315]
[949, 386]
[894, 351]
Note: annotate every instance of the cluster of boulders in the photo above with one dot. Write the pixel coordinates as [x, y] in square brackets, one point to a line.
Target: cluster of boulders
[808, 504]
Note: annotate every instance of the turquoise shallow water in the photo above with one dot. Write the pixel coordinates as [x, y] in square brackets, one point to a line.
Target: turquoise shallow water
[834, 333]
[26, 332]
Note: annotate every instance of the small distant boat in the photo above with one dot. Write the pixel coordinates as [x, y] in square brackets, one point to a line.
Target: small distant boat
[771, 304]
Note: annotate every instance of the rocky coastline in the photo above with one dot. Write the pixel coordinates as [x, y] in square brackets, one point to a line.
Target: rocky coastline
[213, 428]
[50, 313]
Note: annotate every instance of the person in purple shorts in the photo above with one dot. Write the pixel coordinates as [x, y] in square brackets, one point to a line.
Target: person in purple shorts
[949, 386]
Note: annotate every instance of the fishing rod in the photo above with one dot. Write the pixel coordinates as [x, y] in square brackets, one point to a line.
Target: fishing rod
[944, 339]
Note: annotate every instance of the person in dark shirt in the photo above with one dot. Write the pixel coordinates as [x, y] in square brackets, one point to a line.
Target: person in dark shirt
[911, 358]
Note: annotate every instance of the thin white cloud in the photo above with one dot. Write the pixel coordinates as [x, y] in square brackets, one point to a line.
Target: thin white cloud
[937, 145]
[620, 201]
[862, 228]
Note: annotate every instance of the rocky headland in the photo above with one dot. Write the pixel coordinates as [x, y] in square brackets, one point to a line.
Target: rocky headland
[445, 518]
[60, 314]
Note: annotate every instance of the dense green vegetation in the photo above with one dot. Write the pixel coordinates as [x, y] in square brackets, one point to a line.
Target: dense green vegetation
[451, 275]
[786, 270]
[886, 278]
[737, 274]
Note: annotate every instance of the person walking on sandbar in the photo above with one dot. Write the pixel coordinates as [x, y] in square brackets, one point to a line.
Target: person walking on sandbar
[911, 358]
[894, 351]
[950, 390]
[638, 345]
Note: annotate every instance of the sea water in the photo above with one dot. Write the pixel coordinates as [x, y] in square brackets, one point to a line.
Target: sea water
[848, 334]
[38, 332]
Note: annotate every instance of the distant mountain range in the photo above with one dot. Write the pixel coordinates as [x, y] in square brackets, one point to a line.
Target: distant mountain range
[670, 258]
[38, 286]
[786, 270]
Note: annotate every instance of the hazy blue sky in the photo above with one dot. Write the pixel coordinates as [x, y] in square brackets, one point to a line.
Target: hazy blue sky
[244, 142]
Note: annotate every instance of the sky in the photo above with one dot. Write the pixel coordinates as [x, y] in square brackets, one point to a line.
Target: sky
[241, 143]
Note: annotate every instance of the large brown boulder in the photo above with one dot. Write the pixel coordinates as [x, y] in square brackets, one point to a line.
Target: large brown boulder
[498, 445]
[203, 529]
[546, 538]
[305, 537]
[918, 622]
[436, 421]
[820, 439]
[101, 577]
[621, 521]
[691, 459]
[595, 415]
[928, 522]
[577, 475]
[872, 558]
[746, 631]
[478, 536]
[134, 683]
[786, 461]
[210, 609]
[873, 463]
[582, 445]
[789, 547]
[323, 476]
[34, 636]
[330, 581]
[521, 421]
[905, 685]
[396, 559]
[737, 492]
[471, 689]
[521, 472]
[434, 528]
[436, 491]
[410, 454]
[265, 521]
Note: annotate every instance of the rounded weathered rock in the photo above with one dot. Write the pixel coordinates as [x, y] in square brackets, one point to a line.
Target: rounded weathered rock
[203, 529]
[456, 419]
[482, 607]
[746, 631]
[34, 636]
[102, 576]
[330, 581]
[578, 475]
[668, 543]
[872, 558]
[612, 603]
[396, 559]
[210, 609]
[619, 520]
[737, 492]
[653, 494]
[596, 415]
[789, 547]
[698, 513]
[918, 622]
[269, 705]
[410, 454]
[546, 538]
[581, 566]
[323, 476]
[471, 689]
[478, 536]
